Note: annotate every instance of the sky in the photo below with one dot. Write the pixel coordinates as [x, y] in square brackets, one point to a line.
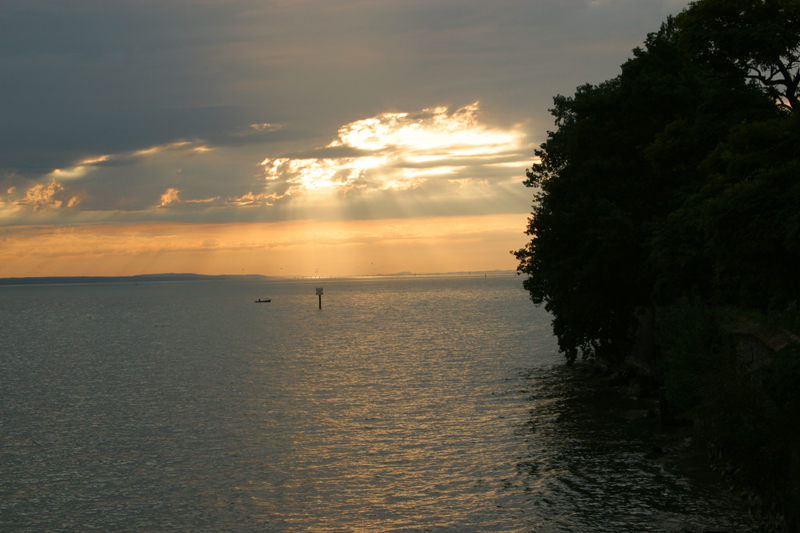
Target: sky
[285, 137]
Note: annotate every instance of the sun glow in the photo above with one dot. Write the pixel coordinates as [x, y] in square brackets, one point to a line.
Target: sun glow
[433, 131]
[401, 151]
[318, 174]
[374, 192]
[297, 248]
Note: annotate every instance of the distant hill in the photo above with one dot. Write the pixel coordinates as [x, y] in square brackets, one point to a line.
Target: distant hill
[52, 280]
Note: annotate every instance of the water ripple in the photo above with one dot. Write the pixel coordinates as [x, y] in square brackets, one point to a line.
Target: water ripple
[404, 405]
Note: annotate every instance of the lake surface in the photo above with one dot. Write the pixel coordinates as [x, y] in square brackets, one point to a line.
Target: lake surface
[409, 404]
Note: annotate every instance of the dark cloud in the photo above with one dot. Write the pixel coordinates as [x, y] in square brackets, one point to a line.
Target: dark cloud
[91, 77]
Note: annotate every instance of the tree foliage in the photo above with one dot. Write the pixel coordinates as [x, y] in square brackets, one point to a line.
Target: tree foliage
[757, 39]
[679, 176]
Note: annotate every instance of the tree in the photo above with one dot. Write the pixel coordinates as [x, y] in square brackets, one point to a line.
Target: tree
[745, 219]
[756, 39]
[625, 157]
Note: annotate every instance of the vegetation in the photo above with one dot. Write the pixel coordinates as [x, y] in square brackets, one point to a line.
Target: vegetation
[674, 188]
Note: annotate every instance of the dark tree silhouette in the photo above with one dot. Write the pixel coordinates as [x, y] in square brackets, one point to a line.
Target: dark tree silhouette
[635, 189]
[757, 39]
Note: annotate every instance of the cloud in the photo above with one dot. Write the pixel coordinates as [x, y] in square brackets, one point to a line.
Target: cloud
[437, 160]
[83, 167]
[264, 126]
[170, 196]
[118, 102]
[253, 200]
[111, 77]
[46, 196]
[398, 151]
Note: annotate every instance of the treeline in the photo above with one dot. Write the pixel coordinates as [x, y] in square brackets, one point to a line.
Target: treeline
[665, 231]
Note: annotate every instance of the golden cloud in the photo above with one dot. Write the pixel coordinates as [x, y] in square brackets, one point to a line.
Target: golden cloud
[170, 196]
[84, 166]
[46, 196]
[400, 151]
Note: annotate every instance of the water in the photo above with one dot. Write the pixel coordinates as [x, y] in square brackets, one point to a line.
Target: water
[403, 405]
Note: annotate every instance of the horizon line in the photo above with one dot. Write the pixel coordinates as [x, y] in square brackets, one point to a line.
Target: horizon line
[190, 276]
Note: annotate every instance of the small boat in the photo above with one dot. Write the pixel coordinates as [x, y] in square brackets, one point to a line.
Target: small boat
[263, 301]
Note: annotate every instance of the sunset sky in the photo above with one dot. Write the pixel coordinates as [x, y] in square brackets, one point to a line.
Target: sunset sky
[285, 137]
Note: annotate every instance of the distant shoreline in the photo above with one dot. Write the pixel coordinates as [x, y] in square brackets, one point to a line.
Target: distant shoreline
[62, 280]
[58, 280]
